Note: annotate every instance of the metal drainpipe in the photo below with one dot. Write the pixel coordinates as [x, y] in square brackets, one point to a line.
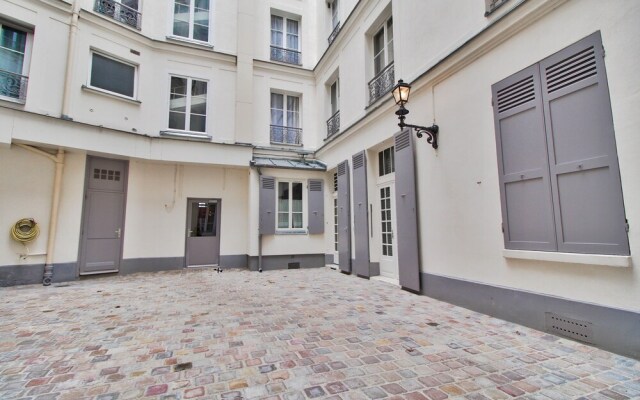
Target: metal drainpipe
[55, 203]
[259, 234]
[71, 54]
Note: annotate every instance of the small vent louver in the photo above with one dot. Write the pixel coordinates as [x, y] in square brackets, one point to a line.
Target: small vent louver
[515, 95]
[315, 186]
[403, 140]
[574, 69]
[335, 182]
[569, 327]
[342, 168]
[358, 161]
[268, 183]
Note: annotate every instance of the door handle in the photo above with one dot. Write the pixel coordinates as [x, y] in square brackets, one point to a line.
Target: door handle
[119, 232]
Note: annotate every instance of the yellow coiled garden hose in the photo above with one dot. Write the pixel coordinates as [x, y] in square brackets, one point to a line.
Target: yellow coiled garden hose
[25, 230]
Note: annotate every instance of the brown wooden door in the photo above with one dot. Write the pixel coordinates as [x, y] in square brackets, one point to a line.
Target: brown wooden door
[103, 217]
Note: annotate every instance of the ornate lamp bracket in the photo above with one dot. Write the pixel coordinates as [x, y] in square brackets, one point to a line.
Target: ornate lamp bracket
[430, 131]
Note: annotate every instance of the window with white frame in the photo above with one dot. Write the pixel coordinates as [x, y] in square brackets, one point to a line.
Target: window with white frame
[15, 48]
[386, 163]
[188, 104]
[285, 40]
[191, 19]
[333, 123]
[383, 47]
[290, 205]
[113, 75]
[285, 119]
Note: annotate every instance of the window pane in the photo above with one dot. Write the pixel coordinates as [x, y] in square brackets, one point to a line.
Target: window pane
[283, 196]
[177, 121]
[276, 31]
[181, 14]
[283, 220]
[112, 75]
[201, 32]
[178, 99]
[13, 39]
[198, 123]
[296, 197]
[277, 113]
[297, 220]
[380, 163]
[11, 61]
[198, 97]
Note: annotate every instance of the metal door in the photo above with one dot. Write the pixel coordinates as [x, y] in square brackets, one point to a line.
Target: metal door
[387, 224]
[103, 216]
[203, 232]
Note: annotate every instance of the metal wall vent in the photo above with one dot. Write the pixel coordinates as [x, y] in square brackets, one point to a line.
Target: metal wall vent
[569, 327]
[403, 140]
[315, 186]
[268, 183]
[342, 168]
[574, 69]
[515, 95]
[358, 160]
[293, 265]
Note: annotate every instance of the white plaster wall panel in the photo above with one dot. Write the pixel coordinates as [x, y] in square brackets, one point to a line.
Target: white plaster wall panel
[26, 189]
[156, 217]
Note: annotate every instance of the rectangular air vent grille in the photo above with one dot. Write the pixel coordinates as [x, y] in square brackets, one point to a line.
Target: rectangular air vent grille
[574, 69]
[315, 186]
[268, 183]
[293, 265]
[569, 327]
[515, 95]
[358, 161]
[403, 140]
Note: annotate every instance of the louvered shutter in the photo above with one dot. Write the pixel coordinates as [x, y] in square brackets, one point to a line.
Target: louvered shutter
[315, 197]
[525, 189]
[585, 177]
[267, 198]
[360, 215]
[406, 212]
[344, 218]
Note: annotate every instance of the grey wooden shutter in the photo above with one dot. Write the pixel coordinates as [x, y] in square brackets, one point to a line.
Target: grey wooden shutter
[406, 212]
[585, 177]
[315, 203]
[360, 215]
[523, 167]
[344, 218]
[267, 222]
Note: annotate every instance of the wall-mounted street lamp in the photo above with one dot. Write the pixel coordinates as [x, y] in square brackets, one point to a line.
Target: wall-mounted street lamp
[401, 96]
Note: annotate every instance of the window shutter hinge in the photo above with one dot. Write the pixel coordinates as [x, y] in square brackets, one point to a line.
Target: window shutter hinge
[502, 227]
[626, 226]
[492, 104]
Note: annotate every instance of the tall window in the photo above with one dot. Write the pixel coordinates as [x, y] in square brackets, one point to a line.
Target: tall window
[285, 119]
[333, 123]
[113, 75]
[188, 104]
[13, 68]
[385, 162]
[285, 40]
[383, 47]
[290, 205]
[191, 19]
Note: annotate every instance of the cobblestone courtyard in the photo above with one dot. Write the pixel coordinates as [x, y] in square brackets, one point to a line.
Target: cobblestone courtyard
[290, 334]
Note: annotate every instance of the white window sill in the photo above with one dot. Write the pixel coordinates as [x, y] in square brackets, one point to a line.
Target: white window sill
[186, 135]
[110, 94]
[13, 100]
[573, 258]
[189, 41]
[292, 232]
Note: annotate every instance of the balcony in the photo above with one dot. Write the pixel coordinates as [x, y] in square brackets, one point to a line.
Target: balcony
[288, 56]
[13, 86]
[119, 12]
[333, 124]
[381, 84]
[334, 33]
[285, 135]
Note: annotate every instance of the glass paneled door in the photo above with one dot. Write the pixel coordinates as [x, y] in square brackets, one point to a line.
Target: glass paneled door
[203, 232]
[387, 221]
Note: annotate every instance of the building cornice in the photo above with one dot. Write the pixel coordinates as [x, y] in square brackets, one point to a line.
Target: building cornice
[283, 68]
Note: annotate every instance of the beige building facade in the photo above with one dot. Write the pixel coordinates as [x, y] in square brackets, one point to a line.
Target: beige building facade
[153, 135]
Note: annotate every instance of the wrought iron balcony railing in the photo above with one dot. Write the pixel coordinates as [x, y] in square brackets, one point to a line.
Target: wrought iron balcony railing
[13, 85]
[285, 135]
[288, 56]
[334, 33]
[333, 124]
[381, 84]
[119, 12]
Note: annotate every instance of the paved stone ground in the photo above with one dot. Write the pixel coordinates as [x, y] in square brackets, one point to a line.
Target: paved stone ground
[284, 335]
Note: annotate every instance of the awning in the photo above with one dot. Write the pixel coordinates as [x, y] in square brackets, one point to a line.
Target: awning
[288, 163]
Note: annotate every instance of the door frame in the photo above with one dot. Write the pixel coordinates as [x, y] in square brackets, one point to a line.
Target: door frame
[387, 181]
[186, 226]
[83, 216]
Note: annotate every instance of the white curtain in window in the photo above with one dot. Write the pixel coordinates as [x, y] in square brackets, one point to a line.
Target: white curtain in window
[390, 41]
[292, 34]
[276, 30]
[277, 109]
[293, 112]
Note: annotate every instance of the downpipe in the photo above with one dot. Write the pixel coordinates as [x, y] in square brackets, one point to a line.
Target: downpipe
[71, 55]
